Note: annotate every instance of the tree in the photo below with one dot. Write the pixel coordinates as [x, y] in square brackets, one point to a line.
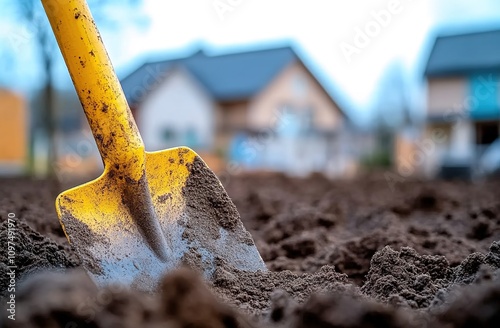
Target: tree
[392, 111]
[31, 13]
[392, 105]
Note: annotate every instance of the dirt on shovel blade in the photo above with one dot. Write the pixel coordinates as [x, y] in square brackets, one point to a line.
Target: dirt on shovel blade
[340, 254]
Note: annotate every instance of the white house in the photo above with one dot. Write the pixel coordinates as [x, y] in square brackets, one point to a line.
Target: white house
[261, 109]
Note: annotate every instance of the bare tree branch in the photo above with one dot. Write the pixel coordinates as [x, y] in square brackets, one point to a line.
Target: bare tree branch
[30, 12]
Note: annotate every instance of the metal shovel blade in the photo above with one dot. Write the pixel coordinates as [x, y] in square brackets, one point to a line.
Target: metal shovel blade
[148, 212]
[197, 218]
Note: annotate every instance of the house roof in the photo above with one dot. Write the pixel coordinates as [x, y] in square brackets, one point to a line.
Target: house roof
[227, 77]
[465, 54]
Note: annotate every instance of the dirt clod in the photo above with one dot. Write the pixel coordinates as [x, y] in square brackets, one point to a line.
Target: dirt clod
[339, 254]
[405, 278]
[32, 253]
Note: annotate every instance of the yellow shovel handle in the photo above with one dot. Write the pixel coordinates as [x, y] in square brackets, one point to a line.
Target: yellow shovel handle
[98, 88]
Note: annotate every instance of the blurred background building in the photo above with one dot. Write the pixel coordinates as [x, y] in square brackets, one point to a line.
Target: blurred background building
[459, 136]
[407, 87]
[260, 109]
[463, 100]
[14, 131]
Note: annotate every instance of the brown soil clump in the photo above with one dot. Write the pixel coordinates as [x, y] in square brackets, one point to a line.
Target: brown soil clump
[339, 254]
[33, 253]
[71, 299]
[405, 278]
[251, 291]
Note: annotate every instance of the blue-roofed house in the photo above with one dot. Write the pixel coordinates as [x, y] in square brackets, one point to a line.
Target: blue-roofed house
[463, 99]
[260, 109]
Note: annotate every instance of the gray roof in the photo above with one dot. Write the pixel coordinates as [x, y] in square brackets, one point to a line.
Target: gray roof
[227, 77]
[465, 54]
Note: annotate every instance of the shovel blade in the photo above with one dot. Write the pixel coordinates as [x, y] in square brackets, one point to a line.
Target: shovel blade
[200, 223]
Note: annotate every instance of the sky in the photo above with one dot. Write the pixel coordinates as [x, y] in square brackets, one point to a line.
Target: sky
[350, 43]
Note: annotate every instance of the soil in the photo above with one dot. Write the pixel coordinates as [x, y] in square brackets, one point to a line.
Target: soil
[357, 253]
[204, 196]
[209, 211]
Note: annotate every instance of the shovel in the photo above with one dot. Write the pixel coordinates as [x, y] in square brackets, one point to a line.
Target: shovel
[148, 212]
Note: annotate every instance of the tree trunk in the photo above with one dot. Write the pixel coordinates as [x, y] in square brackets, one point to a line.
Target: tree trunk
[48, 106]
[50, 126]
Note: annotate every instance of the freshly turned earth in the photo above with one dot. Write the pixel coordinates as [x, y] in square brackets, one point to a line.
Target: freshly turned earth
[340, 254]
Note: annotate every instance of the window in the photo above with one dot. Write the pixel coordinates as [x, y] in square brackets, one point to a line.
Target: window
[168, 135]
[487, 132]
[287, 121]
[294, 121]
[191, 138]
[484, 91]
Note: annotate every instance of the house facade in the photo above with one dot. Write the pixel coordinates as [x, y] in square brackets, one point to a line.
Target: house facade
[463, 101]
[13, 133]
[164, 126]
[261, 110]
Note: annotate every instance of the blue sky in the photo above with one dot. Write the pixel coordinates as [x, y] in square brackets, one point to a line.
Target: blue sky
[328, 31]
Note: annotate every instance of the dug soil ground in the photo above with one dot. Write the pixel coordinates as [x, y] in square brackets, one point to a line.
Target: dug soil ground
[362, 253]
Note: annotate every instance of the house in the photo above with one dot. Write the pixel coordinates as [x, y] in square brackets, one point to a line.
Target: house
[13, 133]
[259, 109]
[463, 100]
